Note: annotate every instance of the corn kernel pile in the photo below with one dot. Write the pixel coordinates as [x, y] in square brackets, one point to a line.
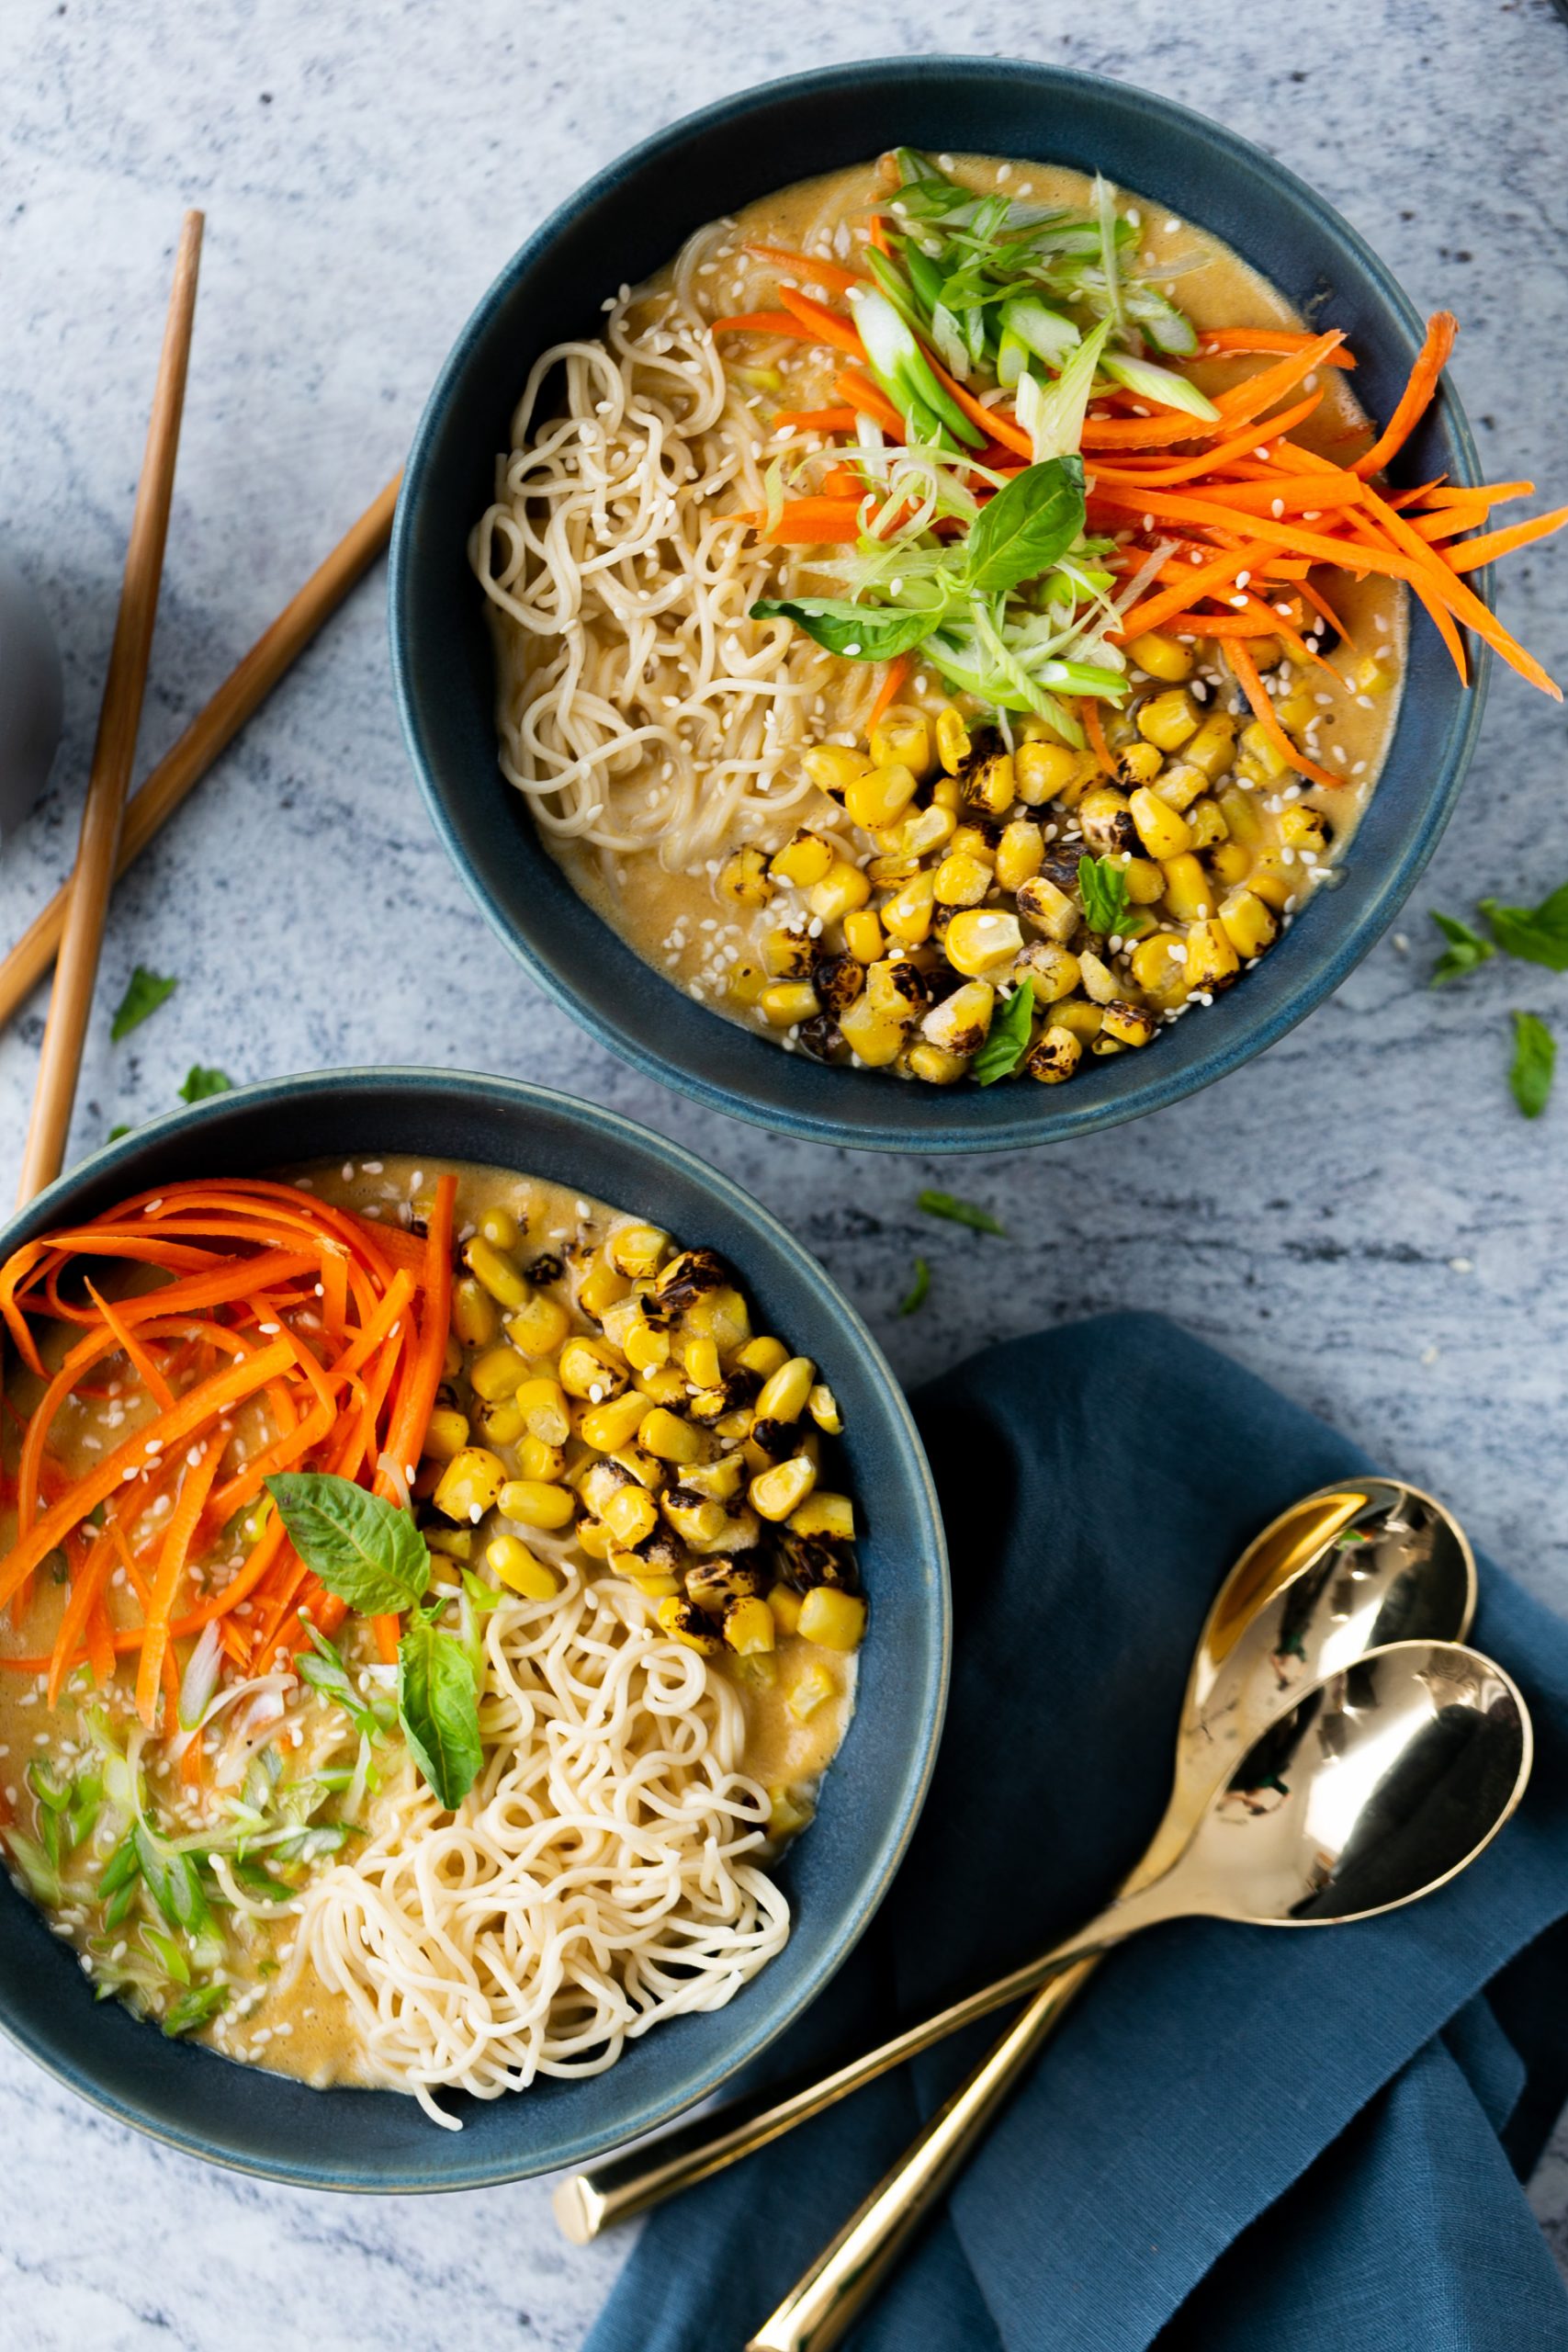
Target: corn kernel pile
[891, 936]
[614, 1395]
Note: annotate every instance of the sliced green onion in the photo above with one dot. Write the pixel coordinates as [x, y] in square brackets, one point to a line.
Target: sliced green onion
[902, 370]
[1161, 384]
[1054, 418]
[1046, 333]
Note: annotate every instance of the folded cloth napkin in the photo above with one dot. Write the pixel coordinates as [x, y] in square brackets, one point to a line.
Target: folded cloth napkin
[1238, 2140]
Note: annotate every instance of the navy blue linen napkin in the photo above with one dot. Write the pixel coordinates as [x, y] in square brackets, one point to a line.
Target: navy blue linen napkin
[1237, 2140]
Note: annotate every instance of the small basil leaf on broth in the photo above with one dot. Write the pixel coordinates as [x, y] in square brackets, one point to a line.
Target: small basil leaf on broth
[1006, 1039]
[1534, 1063]
[1536, 934]
[366, 1550]
[202, 1083]
[1465, 952]
[860, 632]
[1026, 528]
[145, 991]
[438, 1701]
[1103, 887]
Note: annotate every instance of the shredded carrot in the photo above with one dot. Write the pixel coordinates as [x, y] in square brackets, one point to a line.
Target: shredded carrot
[813, 268]
[869, 399]
[878, 233]
[1247, 675]
[825, 325]
[758, 322]
[893, 682]
[808, 522]
[1094, 728]
[814, 420]
[1492, 544]
[999, 424]
[1213, 341]
[1414, 402]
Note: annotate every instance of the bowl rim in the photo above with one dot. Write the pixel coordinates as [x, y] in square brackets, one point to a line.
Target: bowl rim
[614, 1128]
[1233, 1046]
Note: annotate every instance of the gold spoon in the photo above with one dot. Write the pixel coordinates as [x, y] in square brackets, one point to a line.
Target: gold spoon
[1346, 1568]
[1380, 1784]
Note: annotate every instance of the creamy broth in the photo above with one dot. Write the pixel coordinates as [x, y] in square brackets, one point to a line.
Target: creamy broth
[280, 2013]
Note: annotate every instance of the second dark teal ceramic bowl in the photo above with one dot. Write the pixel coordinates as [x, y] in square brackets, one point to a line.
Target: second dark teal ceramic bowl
[622, 226]
[837, 1873]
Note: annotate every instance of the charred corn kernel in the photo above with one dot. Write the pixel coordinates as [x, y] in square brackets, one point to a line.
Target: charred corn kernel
[1107, 819]
[1274, 884]
[601, 1286]
[1179, 785]
[974, 841]
[1078, 1017]
[907, 914]
[1296, 711]
[747, 982]
[811, 1690]
[1128, 1024]
[646, 1348]
[788, 954]
[669, 1438]
[543, 1405]
[496, 1272]
[933, 1066]
[518, 1567]
[749, 1625]
[1207, 821]
[982, 941]
[926, 829]
[1159, 966]
[1263, 752]
[879, 797]
[789, 1811]
[1267, 651]
[500, 1228]
[1139, 763]
[803, 859]
[1020, 854]
[823, 1513]
[1049, 908]
[841, 889]
[539, 1326]
[722, 1314]
[470, 1483]
[1052, 970]
[952, 743]
[452, 1543]
[823, 1407]
[833, 767]
[901, 743]
[862, 935]
[721, 1479]
[1229, 862]
[834, 1620]
[1165, 658]
[1371, 676]
[1104, 1047]
[1162, 831]
[684, 1622]
[1145, 883]
[664, 1384]
[1189, 893]
[474, 1318]
[1099, 980]
[1249, 924]
[701, 1359]
[497, 1373]
[536, 1502]
[947, 793]
[637, 1250]
[665, 1588]
[784, 1393]
[743, 877]
[958, 1024]
[445, 1433]
[644, 1467]
[884, 870]
[631, 1515]
[876, 1038]
[776, 1493]
[1045, 771]
[763, 1355]
[784, 1603]
[1304, 828]
[537, 1460]
[990, 783]
[1211, 959]
[960, 880]
[701, 1522]
[1212, 748]
[1167, 719]
[1240, 812]
[589, 1370]
[501, 1424]
[591, 1536]
[788, 1001]
[616, 1422]
[451, 1357]
[1057, 1057]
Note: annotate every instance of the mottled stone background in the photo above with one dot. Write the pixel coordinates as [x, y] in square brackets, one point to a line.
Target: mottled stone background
[1362, 1216]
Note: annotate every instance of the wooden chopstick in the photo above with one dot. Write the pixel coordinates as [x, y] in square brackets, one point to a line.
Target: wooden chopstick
[211, 733]
[93, 878]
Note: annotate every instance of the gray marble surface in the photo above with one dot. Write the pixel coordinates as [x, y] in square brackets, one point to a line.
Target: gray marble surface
[1362, 1217]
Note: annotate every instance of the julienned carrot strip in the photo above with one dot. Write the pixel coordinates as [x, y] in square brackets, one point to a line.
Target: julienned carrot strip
[1414, 400]
[1251, 623]
[85, 1587]
[878, 233]
[195, 1488]
[405, 1439]
[1429, 584]
[1213, 341]
[1204, 580]
[758, 322]
[1094, 728]
[812, 267]
[893, 682]
[1246, 673]
[842, 482]
[997, 423]
[809, 522]
[1322, 607]
[1217, 459]
[814, 420]
[147, 1371]
[1492, 544]
[825, 325]
[869, 399]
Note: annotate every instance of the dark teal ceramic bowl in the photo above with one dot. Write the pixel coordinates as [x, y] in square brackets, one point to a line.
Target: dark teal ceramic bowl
[835, 1876]
[622, 226]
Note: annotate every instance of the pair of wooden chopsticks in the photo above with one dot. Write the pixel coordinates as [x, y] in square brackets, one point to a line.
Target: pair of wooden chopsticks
[71, 927]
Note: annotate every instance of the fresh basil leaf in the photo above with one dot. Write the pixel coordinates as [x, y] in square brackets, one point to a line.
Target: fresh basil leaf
[1026, 528]
[918, 1290]
[145, 991]
[1103, 887]
[438, 1701]
[196, 2008]
[1006, 1039]
[200, 1084]
[366, 1550]
[862, 632]
[959, 1212]
[115, 1134]
[1535, 1062]
[1536, 934]
[1466, 951]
